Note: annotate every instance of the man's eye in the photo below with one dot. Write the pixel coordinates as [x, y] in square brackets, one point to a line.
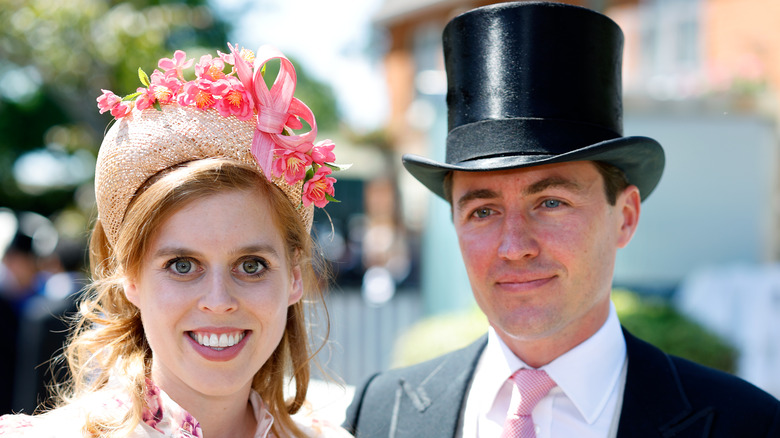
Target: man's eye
[551, 203]
[482, 212]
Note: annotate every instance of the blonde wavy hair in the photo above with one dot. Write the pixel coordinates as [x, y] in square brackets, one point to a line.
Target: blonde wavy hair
[108, 339]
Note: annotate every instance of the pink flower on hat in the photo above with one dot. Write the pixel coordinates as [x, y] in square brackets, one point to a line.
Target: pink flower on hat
[177, 64]
[146, 99]
[245, 56]
[209, 68]
[292, 164]
[121, 110]
[322, 152]
[234, 98]
[165, 86]
[107, 101]
[319, 189]
[198, 93]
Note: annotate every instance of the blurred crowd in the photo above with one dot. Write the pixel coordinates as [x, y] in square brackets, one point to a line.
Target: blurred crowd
[41, 273]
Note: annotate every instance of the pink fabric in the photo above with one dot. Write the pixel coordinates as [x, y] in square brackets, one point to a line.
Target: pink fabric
[533, 386]
[276, 108]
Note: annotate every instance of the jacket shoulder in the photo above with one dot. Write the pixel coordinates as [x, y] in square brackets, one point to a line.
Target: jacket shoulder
[677, 397]
[430, 371]
[710, 386]
[417, 393]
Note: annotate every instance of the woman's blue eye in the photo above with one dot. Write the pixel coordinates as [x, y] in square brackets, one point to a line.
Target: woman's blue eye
[182, 266]
[552, 203]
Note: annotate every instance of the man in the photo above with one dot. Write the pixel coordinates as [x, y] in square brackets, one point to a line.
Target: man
[544, 189]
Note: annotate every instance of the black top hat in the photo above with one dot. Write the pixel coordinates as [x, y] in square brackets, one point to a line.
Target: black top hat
[534, 83]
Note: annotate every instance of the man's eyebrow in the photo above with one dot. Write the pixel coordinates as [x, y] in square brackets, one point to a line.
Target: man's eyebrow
[476, 194]
[553, 181]
[537, 187]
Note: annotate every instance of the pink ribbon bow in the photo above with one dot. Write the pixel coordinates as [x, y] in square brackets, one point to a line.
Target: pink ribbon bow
[276, 108]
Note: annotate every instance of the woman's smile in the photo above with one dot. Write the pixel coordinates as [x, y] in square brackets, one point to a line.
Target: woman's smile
[215, 347]
[217, 341]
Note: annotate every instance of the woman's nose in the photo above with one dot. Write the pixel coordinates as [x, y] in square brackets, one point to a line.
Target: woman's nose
[218, 297]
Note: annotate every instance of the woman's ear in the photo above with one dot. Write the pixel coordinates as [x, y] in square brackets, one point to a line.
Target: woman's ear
[131, 291]
[296, 286]
[296, 282]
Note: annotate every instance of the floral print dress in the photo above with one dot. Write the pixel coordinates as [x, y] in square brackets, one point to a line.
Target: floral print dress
[162, 418]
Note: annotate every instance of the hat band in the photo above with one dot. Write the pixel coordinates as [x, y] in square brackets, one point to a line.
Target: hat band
[521, 136]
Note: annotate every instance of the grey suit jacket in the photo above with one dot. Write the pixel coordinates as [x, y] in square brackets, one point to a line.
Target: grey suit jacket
[665, 396]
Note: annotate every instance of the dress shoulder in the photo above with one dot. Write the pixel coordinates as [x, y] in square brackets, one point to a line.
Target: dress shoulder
[50, 425]
[16, 425]
[317, 427]
[65, 421]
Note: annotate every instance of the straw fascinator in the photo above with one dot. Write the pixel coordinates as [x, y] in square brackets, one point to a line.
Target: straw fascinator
[227, 111]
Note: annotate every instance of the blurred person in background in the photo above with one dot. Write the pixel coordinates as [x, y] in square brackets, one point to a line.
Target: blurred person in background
[201, 260]
[21, 275]
[32, 239]
[43, 326]
[544, 190]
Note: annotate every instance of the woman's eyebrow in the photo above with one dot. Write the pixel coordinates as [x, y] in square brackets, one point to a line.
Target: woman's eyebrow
[257, 249]
[169, 251]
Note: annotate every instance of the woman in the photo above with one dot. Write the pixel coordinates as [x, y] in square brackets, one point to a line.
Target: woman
[201, 260]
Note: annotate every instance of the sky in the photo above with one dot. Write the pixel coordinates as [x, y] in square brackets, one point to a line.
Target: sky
[333, 39]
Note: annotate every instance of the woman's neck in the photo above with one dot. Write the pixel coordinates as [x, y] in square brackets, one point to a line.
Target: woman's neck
[228, 415]
[224, 416]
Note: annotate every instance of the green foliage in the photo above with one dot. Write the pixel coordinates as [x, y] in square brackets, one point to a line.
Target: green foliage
[438, 334]
[65, 52]
[660, 324]
[655, 321]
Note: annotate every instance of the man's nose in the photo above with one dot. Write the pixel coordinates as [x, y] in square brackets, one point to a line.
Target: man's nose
[518, 240]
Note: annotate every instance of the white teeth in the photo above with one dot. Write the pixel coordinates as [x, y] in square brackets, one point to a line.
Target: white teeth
[218, 341]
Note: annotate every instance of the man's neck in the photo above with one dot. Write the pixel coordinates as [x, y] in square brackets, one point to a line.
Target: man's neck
[540, 350]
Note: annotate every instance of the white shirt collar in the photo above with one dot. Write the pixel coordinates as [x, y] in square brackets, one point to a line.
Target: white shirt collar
[587, 374]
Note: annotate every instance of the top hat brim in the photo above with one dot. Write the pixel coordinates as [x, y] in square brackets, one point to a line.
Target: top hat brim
[642, 160]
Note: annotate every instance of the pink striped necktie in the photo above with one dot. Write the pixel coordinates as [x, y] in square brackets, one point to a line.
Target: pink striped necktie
[533, 386]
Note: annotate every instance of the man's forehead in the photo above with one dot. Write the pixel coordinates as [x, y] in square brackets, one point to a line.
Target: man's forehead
[557, 172]
[574, 176]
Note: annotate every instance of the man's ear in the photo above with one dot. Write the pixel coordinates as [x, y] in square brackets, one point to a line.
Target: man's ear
[131, 291]
[629, 204]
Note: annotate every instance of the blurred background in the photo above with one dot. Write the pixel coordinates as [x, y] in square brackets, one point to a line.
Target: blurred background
[700, 279]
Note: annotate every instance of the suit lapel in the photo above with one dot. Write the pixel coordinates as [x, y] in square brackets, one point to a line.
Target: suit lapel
[430, 405]
[654, 402]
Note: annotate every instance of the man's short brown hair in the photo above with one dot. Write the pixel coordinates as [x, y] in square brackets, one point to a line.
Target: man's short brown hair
[615, 181]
